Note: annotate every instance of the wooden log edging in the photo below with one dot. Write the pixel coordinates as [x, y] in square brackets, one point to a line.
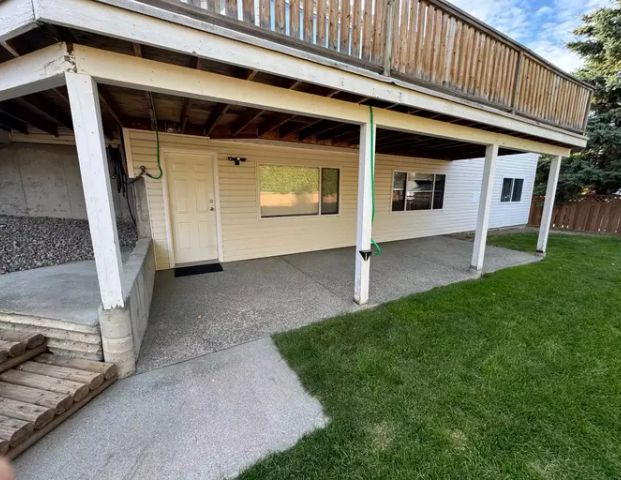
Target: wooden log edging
[42, 391]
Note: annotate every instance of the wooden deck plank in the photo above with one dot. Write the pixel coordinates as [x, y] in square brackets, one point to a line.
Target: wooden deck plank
[27, 355]
[38, 434]
[109, 370]
[39, 416]
[44, 398]
[14, 430]
[92, 379]
[77, 390]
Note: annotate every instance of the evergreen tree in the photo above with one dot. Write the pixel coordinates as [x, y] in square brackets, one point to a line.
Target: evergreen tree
[597, 168]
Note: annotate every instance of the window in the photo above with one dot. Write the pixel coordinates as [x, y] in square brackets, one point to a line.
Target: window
[329, 191]
[512, 189]
[417, 191]
[295, 191]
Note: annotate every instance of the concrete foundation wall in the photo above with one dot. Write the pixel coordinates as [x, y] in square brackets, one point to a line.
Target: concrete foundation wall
[41, 180]
[122, 330]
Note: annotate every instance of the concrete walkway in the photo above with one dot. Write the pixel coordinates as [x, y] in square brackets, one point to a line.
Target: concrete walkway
[208, 418]
[194, 315]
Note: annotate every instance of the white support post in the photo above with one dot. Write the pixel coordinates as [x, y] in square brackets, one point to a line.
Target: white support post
[89, 139]
[548, 206]
[485, 206]
[363, 226]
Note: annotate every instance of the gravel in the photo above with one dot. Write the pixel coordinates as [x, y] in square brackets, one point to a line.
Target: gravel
[31, 242]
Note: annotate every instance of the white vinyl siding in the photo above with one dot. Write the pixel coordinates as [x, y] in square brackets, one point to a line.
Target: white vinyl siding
[245, 235]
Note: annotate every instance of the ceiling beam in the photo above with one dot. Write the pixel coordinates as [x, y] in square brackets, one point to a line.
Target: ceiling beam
[11, 123]
[23, 114]
[245, 119]
[186, 108]
[220, 109]
[39, 103]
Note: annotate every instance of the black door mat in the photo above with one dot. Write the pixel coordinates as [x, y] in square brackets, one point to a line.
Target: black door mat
[198, 269]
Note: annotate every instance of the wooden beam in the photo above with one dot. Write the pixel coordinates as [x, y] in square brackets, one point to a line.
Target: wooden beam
[34, 72]
[548, 206]
[110, 105]
[245, 119]
[362, 270]
[16, 17]
[13, 109]
[333, 133]
[186, 108]
[42, 105]
[132, 72]
[219, 44]
[221, 109]
[11, 123]
[485, 208]
[318, 128]
[88, 129]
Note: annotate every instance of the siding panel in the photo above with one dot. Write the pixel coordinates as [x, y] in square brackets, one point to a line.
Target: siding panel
[245, 235]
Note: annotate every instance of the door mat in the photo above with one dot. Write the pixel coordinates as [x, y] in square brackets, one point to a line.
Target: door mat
[198, 269]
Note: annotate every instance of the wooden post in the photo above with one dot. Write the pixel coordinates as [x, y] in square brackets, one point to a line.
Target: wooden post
[363, 226]
[388, 36]
[89, 139]
[485, 206]
[548, 205]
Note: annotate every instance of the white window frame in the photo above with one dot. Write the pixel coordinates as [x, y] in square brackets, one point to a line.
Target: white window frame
[319, 213]
[407, 176]
[513, 179]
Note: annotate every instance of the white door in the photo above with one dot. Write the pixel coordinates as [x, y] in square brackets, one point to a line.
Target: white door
[192, 206]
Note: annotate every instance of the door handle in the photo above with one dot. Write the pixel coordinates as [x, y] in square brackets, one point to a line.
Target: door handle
[211, 209]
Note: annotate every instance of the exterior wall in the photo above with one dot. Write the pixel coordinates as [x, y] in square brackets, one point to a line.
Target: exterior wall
[39, 180]
[245, 235]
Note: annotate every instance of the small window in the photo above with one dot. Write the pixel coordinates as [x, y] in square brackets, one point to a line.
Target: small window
[417, 191]
[286, 191]
[512, 189]
[329, 191]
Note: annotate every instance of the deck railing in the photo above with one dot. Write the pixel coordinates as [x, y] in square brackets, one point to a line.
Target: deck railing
[428, 42]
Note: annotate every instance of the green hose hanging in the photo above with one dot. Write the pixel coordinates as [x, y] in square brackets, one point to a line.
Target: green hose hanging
[374, 245]
[154, 126]
[157, 152]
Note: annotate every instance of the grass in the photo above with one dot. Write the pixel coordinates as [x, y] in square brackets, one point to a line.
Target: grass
[517, 375]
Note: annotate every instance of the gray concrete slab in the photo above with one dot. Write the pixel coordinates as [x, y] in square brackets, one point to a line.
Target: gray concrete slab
[208, 418]
[68, 292]
[194, 315]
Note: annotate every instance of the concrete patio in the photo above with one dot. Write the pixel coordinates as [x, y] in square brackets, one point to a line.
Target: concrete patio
[194, 315]
[199, 409]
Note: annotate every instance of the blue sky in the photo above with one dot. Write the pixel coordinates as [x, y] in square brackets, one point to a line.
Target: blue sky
[544, 26]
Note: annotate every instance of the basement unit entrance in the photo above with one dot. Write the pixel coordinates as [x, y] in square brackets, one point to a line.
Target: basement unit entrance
[192, 206]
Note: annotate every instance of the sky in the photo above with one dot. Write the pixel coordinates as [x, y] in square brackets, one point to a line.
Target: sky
[544, 26]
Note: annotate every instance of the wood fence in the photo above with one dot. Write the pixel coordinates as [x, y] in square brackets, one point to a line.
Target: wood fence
[428, 42]
[589, 213]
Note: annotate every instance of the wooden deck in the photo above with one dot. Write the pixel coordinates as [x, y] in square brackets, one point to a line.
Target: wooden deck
[427, 42]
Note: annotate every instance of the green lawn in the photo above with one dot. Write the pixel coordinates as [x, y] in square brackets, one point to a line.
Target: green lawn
[517, 375]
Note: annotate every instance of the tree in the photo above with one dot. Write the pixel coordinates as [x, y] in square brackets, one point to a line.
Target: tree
[598, 167]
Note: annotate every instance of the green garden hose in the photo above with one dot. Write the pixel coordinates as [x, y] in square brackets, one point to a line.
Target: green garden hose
[374, 244]
[157, 151]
